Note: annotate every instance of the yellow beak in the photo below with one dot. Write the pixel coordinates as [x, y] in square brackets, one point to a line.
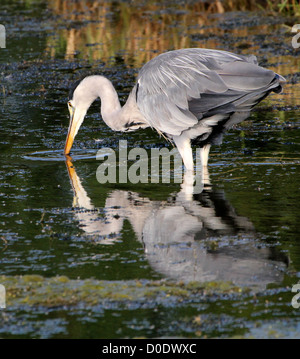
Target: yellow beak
[76, 118]
[71, 133]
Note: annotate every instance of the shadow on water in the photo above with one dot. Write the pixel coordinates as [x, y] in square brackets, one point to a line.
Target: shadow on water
[184, 239]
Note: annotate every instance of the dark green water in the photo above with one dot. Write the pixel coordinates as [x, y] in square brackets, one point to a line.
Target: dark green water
[243, 228]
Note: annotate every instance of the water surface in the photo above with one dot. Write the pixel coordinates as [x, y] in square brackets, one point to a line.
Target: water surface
[68, 236]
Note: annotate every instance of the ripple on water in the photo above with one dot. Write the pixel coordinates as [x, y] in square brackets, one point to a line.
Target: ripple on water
[58, 155]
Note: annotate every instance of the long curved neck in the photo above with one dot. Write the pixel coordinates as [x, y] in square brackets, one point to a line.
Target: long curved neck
[110, 104]
[116, 117]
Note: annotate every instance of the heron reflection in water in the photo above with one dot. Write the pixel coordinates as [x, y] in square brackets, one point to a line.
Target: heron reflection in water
[179, 234]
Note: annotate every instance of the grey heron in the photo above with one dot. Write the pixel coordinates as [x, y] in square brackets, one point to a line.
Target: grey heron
[191, 96]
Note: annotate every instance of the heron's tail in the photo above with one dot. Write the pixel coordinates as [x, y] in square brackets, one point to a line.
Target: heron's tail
[280, 80]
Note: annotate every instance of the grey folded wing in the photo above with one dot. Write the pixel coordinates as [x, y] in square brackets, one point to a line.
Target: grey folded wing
[179, 88]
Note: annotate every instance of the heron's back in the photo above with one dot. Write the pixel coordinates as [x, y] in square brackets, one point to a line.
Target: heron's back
[200, 91]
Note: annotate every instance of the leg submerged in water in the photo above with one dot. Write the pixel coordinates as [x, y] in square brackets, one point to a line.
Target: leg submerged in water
[183, 145]
[204, 153]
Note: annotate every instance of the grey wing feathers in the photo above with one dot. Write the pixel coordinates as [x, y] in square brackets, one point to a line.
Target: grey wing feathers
[177, 88]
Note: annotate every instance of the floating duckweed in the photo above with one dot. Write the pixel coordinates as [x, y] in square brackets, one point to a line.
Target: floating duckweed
[32, 278]
[36, 290]
[62, 279]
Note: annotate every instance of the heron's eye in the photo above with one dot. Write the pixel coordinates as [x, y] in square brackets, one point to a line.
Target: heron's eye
[69, 104]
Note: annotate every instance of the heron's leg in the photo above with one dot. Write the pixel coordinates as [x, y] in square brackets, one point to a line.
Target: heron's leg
[187, 187]
[204, 152]
[184, 147]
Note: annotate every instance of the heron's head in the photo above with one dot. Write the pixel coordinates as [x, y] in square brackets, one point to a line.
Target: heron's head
[81, 97]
